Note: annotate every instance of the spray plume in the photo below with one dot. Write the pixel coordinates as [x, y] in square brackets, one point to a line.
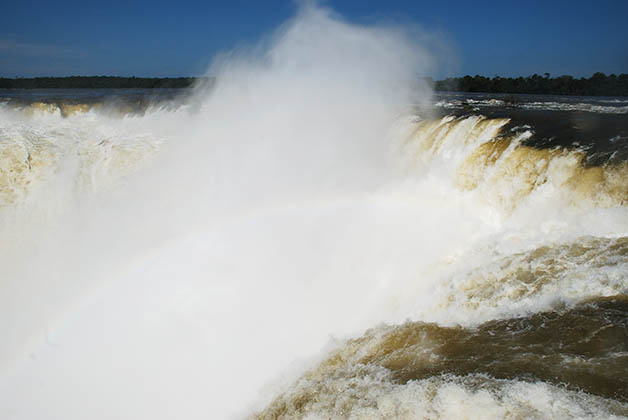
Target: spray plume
[183, 288]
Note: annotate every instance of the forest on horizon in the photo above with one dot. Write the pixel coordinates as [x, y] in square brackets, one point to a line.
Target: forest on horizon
[597, 85]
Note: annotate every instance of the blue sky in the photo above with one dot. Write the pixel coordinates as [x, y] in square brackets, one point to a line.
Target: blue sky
[178, 38]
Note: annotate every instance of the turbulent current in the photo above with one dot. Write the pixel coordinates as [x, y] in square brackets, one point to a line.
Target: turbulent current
[314, 235]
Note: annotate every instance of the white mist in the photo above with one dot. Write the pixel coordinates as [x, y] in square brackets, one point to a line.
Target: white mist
[255, 234]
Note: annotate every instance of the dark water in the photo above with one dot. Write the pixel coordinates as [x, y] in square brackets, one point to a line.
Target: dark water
[122, 101]
[584, 348]
[597, 125]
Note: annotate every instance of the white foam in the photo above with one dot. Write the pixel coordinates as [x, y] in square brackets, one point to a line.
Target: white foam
[373, 395]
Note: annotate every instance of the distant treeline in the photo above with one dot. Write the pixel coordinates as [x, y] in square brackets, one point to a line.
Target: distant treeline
[96, 82]
[597, 85]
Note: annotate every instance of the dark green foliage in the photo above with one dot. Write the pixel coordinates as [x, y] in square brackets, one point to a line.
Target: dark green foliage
[597, 85]
[95, 82]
